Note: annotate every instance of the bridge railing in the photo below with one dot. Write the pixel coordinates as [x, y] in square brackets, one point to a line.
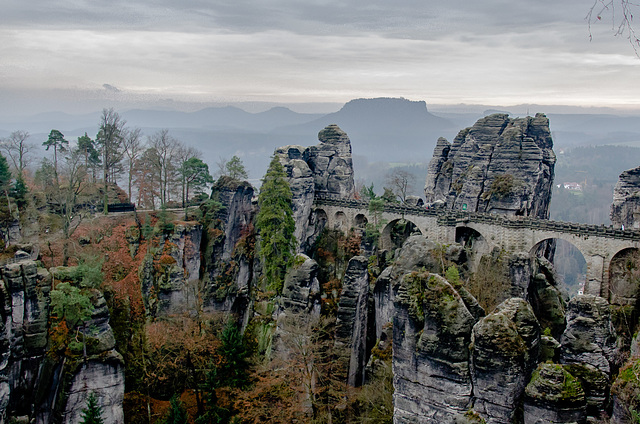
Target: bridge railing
[452, 218]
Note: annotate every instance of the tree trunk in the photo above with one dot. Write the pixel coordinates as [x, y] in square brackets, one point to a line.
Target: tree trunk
[105, 210]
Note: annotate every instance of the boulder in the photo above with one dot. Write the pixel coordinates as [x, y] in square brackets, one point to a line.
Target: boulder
[499, 165]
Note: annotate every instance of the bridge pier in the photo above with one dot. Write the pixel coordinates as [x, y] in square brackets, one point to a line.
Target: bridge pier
[595, 275]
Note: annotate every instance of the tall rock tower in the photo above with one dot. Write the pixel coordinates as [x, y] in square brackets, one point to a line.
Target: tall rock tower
[499, 165]
[625, 209]
[326, 169]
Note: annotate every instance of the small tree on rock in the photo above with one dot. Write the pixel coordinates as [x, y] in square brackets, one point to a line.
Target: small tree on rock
[196, 177]
[233, 168]
[92, 414]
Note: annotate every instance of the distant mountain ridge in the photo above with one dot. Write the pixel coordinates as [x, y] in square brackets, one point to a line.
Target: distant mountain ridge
[381, 129]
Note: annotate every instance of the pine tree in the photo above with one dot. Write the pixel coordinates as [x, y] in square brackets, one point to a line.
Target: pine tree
[92, 414]
[177, 413]
[57, 141]
[235, 169]
[275, 225]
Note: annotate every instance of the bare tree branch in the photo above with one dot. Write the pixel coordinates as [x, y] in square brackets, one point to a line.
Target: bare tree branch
[621, 12]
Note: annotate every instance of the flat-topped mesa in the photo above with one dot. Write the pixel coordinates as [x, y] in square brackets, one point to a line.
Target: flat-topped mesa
[625, 209]
[499, 165]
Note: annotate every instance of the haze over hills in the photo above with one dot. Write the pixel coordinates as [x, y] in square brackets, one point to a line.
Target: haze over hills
[381, 129]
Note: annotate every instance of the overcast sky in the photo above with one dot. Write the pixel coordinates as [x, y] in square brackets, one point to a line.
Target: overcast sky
[499, 52]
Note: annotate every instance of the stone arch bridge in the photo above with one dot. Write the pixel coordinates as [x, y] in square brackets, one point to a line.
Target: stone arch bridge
[598, 244]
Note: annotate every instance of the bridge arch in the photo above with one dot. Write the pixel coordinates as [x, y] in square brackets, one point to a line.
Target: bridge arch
[569, 262]
[396, 232]
[473, 242]
[624, 269]
[340, 221]
[318, 219]
[360, 221]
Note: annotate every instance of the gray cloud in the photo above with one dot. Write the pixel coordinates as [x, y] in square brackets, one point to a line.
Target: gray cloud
[462, 50]
[111, 88]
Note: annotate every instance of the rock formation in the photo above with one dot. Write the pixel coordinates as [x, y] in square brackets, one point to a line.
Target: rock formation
[38, 384]
[301, 291]
[168, 276]
[24, 292]
[499, 165]
[589, 337]
[325, 169]
[505, 347]
[102, 373]
[301, 182]
[625, 209]
[554, 396]
[351, 325]
[228, 259]
[431, 334]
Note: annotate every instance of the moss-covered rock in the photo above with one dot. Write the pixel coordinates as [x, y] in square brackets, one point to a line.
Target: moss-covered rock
[554, 396]
[504, 347]
[431, 334]
[549, 349]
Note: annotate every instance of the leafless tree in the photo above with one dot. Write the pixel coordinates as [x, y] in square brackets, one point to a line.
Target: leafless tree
[73, 178]
[222, 167]
[166, 149]
[401, 182]
[17, 149]
[621, 13]
[133, 148]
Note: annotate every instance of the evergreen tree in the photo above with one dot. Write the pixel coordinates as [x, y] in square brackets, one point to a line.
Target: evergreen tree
[92, 414]
[6, 216]
[71, 304]
[275, 225]
[109, 141]
[232, 371]
[57, 141]
[235, 169]
[196, 177]
[88, 150]
[177, 413]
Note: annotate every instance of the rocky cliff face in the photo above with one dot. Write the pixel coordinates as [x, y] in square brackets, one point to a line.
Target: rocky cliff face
[228, 260]
[25, 312]
[102, 373]
[448, 358]
[504, 351]
[326, 168]
[499, 165]
[625, 209]
[48, 388]
[431, 334]
[167, 276]
[351, 325]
